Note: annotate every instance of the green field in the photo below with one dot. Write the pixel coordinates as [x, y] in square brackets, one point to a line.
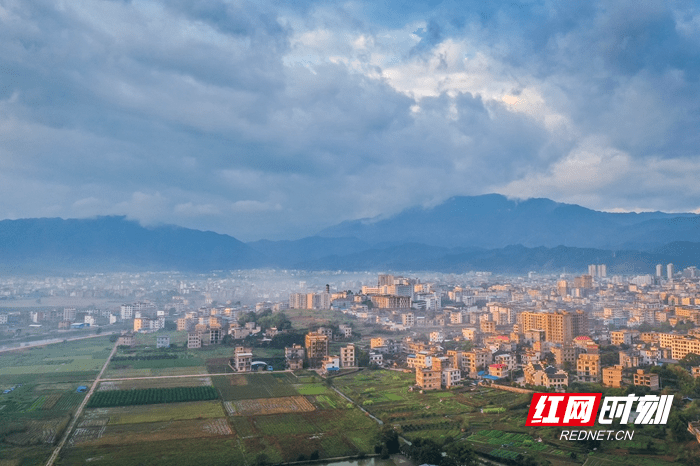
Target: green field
[240, 387]
[68, 361]
[155, 413]
[35, 413]
[327, 425]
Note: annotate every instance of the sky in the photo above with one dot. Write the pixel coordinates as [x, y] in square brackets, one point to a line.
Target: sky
[276, 119]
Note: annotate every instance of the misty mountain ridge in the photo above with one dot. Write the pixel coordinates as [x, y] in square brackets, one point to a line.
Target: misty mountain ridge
[489, 232]
[494, 221]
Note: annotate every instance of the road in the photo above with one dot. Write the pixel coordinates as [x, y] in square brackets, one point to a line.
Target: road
[79, 411]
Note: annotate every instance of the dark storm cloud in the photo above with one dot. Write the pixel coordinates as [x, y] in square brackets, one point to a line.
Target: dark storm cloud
[271, 119]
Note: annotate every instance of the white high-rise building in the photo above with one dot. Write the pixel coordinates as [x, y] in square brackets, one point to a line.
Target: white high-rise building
[669, 271]
[126, 311]
[602, 270]
[659, 270]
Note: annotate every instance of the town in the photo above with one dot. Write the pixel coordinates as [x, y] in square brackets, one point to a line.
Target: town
[471, 336]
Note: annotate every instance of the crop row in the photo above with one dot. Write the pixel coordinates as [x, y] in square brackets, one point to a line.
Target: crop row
[147, 396]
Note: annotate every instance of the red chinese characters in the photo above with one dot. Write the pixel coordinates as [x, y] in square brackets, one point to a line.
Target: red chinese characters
[563, 409]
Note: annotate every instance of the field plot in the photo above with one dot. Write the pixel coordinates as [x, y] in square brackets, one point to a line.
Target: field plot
[69, 360]
[241, 387]
[264, 406]
[155, 413]
[109, 398]
[37, 432]
[152, 431]
[155, 383]
[312, 389]
[210, 451]
[43, 380]
[434, 414]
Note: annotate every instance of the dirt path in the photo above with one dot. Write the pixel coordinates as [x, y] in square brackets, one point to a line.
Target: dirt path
[79, 411]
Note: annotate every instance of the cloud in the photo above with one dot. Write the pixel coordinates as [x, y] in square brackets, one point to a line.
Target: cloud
[276, 120]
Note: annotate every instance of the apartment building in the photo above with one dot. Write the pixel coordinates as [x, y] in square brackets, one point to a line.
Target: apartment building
[294, 357]
[612, 376]
[684, 345]
[428, 379]
[451, 377]
[194, 340]
[408, 319]
[588, 368]
[560, 326]
[646, 379]
[242, 359]
[347, 356]
[391, 302]
[316, 347]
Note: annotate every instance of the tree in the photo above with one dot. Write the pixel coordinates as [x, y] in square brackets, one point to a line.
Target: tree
[390, 439]
[462, 454]
[690, 359]
[261, 460]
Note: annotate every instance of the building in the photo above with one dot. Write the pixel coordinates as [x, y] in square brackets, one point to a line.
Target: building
[560, 327]
[316, 347]
[347, 356]
[487, 326]
[498, 370]
[298, 301]
[69, 314]
[391, 302]
[408, 319]
[376, 358]
[588, 368]
[163, 342]
[584, 281]
[294, 357]
[612, 376]
[345, 330]
[241, 360]
[646, 379]
[126, 339]
[451, 377]
[330, 364]
[194, 340]
[470, 362]
[428, 379]
[545, 376]
[621, 337]
[126, 311]
[683, 345]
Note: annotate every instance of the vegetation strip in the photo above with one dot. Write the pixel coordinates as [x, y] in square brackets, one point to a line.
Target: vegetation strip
[146, 396]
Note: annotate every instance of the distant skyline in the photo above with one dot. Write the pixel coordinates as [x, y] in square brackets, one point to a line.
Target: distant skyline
[274, 120]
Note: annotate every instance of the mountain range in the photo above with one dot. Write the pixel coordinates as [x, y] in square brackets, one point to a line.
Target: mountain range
[489, 232]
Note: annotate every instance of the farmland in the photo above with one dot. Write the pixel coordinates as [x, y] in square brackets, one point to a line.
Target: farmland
[233, 418]
[476, 415]
[43, 383]
[278, 414]
[146, 396]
